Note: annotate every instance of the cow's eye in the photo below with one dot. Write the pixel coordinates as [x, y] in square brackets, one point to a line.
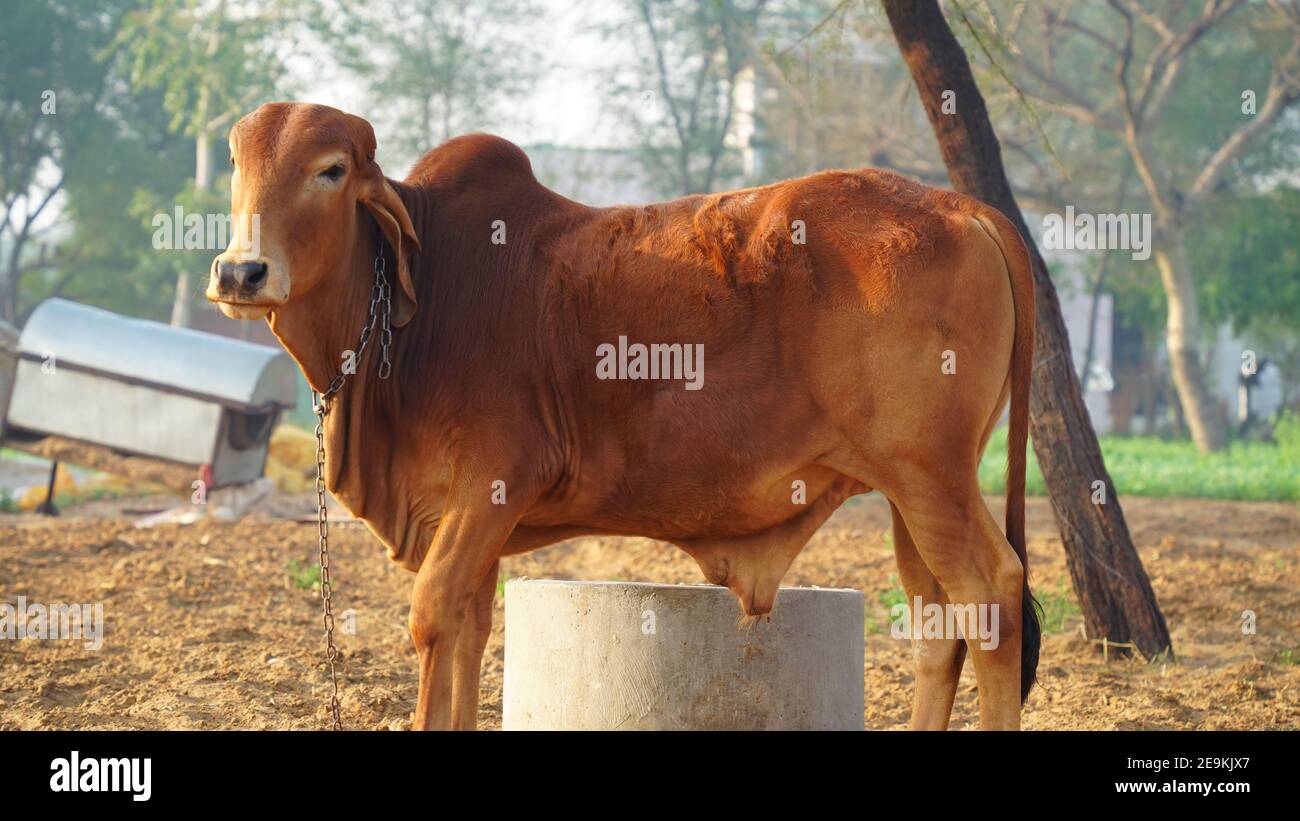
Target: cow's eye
[334, 172]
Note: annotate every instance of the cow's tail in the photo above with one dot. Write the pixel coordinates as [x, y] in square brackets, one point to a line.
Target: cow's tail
[1018, 263]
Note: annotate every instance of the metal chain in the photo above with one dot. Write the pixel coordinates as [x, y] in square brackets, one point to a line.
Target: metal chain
[380, 297]
[326, 592]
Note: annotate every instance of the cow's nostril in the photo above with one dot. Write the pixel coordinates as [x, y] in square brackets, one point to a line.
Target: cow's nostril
[256, 275]
[227, 276]
[242, 277]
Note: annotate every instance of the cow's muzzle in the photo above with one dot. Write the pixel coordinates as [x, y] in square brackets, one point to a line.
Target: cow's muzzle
[246, 288]
[239, 280]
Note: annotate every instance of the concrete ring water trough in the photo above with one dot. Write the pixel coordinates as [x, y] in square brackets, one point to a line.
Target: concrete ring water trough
[633, 656]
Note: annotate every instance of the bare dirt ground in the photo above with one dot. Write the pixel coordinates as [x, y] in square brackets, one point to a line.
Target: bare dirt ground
[206, 628]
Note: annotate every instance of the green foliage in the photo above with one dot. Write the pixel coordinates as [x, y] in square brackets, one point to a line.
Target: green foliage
[56, 96]
[1286, 433]
[110, 261]
[210, 61]
[1236, 55]
[303, 575]
[82, 496]
[131, 81]
[878, 615]
[1147, 466]
[47, 47]
[1246, 256]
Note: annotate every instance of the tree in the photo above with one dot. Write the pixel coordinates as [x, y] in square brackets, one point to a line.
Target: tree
[102, 251]
[213, 63]
[1114, 592]
[442, 67]
[680, 97]
[835, 94]
[838, 94]
[52, 90]
[1246, 257]
[1137, 105]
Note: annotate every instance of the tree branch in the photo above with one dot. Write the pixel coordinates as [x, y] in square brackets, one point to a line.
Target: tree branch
[1166, 63]
[1283, 91]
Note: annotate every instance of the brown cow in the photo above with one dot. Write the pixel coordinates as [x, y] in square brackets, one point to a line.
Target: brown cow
[860, 331]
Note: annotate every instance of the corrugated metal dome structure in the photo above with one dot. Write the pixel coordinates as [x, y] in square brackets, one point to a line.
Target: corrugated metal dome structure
[145, 389]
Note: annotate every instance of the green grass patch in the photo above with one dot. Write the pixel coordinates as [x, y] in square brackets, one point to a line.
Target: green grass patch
[81, 496]
[878, 616]
[303, 575]
[1058, 608]
[1149, 466]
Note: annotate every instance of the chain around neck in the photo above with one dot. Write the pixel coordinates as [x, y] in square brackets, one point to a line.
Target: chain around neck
[381, 308]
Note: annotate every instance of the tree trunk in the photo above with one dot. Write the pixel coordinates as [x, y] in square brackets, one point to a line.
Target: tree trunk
[1112, 586]
[1204, 416]
[183, 302]
[9, 285]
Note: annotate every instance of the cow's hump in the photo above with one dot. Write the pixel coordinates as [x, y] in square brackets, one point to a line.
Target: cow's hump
[472, 159]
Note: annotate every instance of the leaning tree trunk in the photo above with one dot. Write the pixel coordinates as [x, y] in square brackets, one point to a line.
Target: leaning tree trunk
[1205, 419]
[1114, 592]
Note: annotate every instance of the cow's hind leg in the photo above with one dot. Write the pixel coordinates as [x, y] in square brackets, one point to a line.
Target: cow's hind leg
[963, 547]
[938, 661]
[468, 661]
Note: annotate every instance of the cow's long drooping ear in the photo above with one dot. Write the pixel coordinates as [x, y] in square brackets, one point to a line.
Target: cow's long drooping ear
[390, 213]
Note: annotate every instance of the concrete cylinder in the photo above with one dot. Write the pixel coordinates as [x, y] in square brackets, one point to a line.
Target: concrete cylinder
[625, 656]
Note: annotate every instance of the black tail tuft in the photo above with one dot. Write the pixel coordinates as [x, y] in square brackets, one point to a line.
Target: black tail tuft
[1031, 636]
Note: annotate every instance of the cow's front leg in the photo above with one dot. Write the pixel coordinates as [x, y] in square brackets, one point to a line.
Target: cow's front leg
[468, 662]
[466, 546]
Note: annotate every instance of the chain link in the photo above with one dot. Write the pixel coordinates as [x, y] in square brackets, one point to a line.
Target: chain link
[381, 299]
[326, 591]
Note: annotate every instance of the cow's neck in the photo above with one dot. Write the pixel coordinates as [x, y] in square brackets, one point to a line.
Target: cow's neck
[318, 330]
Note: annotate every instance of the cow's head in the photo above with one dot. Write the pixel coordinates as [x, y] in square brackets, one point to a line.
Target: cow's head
[304, 178]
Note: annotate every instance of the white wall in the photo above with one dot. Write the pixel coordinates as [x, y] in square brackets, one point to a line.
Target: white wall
[1069, 273]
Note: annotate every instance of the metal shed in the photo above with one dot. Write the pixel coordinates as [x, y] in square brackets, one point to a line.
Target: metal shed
[96, 388]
